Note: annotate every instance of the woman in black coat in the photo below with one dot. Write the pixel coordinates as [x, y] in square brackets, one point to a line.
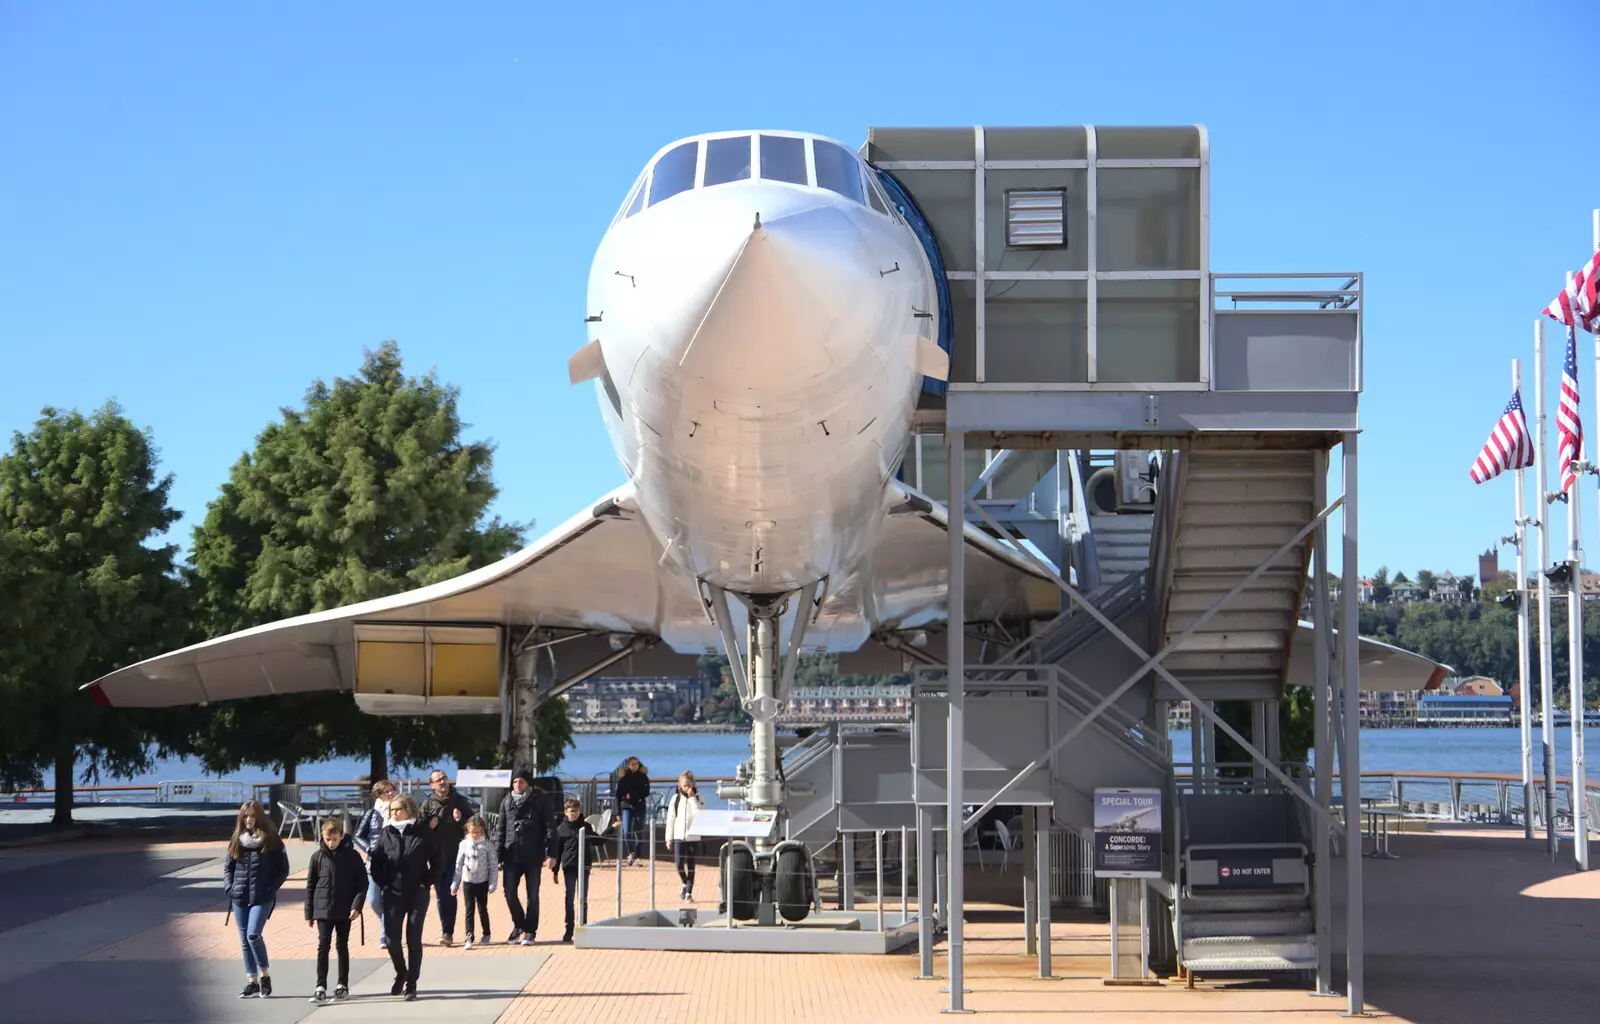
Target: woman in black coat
[336, 884]
[252, 873]
[405, 864]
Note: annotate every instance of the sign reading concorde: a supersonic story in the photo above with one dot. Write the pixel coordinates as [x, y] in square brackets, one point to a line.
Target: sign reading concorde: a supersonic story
[1127, 833]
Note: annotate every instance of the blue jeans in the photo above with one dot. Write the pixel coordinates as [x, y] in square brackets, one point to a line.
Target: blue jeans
[441, 889]
[632, 825]
[375, 901]
[251, 920]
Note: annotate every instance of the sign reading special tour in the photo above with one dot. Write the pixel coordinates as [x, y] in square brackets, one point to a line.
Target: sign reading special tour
[1127, 833]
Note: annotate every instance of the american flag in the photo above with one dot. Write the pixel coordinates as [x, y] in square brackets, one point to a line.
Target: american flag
[1509, 445]
[1578, 305]
[1569, 427]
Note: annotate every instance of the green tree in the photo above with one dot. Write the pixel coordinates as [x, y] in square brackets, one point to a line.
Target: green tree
[1425, 581]
[366, 491]
[1380, 585]
[86, 590]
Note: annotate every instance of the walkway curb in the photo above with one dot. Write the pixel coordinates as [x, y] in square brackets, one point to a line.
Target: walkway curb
[76, 832]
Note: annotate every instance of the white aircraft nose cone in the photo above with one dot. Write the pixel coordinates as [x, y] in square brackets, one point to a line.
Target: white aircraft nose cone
[799, 299]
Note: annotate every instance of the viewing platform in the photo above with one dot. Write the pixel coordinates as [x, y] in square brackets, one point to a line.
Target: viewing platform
[141, 922]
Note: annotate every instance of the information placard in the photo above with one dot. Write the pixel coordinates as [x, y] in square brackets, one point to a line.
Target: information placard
[1127, 833]
[484, 778]
[722, 824]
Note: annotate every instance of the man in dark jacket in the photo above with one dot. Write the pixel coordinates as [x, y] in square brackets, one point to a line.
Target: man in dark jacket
[520, 839]
[445, 814]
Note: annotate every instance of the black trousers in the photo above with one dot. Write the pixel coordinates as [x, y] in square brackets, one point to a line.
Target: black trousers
[517, 874]
[411, 913]
[570, 875]
[326, 932]
[476, 894]
[683, 856]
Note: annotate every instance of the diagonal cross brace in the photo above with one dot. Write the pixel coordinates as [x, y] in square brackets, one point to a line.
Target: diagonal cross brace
[1154, 662]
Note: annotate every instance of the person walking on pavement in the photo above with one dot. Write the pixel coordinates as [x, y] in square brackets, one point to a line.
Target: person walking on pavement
[335, 882]
[253, 871]
[632, 793]
[475, 874]
[520, 838]
[570, 833]
[446, 813]
[681, 809]
[366, 837]
[405, 864]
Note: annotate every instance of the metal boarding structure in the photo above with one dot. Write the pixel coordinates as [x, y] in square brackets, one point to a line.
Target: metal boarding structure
[1161, 433]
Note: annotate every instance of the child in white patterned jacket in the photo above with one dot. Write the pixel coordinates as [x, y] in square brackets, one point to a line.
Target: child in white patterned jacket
[477, 871]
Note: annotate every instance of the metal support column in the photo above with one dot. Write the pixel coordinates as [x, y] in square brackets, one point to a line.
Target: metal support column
[1030, 881]
[1322, 736]
[1350, 661]
[955, 442]
[1258, 736]
[925, 891]
[1042, 819]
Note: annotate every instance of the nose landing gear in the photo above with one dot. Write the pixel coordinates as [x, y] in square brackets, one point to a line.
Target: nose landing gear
[763, 886]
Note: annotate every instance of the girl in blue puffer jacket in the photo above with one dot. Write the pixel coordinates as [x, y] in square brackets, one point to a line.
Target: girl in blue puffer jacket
[256, 867]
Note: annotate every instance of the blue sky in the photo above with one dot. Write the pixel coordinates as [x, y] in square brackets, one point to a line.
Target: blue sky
[205, 207]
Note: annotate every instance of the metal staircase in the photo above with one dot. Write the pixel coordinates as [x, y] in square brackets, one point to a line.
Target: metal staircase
[1245, 884]
[1233, 510]
[1122, 545]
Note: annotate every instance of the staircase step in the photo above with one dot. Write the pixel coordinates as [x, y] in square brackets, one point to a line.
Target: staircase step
[1242, 902]
[1246, 924]
[1288, 949]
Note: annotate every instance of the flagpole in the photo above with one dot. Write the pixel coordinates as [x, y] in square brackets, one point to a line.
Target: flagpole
[1524, 702]
[1547, 723]
[1575, 795]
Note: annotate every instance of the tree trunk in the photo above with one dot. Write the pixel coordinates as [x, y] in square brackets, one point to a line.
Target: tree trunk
[66, 764]
[379, 768]
[289, 773]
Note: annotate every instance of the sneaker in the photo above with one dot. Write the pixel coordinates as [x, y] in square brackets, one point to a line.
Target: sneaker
[341, 992]
[527, 940]
[485, 941]
[447, 940]
[411, 991]
[320, 995]
[516, 933]
[566, 940]
[251, 988]
[266, 986]
[470, 940]
[383, 941]
[398, 986]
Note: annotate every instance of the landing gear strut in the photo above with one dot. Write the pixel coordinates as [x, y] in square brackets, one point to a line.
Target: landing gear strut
[765, 878]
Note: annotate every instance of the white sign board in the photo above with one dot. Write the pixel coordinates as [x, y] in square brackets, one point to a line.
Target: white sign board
[734, 824]
[490, 778]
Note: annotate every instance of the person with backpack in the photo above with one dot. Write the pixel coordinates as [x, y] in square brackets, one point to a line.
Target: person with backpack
[520, 839]
[336, 882]
[681, 809]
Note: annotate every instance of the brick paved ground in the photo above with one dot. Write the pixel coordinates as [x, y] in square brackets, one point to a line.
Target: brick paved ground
[1468, 926]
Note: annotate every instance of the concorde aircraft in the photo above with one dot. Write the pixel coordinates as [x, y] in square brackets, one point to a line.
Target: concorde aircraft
[761, 318]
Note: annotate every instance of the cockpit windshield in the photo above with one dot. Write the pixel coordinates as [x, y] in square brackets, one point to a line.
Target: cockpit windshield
[713, 160]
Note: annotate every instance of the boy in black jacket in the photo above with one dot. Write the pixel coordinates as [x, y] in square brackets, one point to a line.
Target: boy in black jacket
[336, 885]
[564, 842]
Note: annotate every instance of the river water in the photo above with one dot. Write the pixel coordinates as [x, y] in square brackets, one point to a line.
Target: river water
[716, 754]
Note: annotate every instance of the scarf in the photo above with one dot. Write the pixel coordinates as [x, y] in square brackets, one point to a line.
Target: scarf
[250, 840]
[518, 799]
